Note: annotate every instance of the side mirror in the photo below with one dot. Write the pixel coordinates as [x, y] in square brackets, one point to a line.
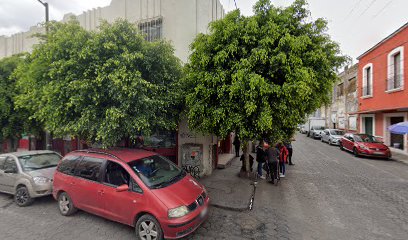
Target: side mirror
[122, 188]
[10, 171]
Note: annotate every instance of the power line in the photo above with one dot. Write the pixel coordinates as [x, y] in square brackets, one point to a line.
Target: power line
[382, 9]
[352, 10]
[369, 6]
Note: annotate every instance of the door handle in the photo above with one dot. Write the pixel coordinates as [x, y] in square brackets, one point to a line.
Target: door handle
[72, 183]
[101, 192]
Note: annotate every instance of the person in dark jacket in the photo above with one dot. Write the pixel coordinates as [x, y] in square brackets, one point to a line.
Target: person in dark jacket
[273, 157]
[237, 145]
[289, 146]
[260, 158]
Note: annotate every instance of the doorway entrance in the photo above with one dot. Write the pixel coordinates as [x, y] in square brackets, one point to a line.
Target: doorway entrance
[396, 140]
[368, 125]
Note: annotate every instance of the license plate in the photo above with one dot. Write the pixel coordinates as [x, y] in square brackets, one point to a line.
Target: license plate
[379, 153]
[204, 212]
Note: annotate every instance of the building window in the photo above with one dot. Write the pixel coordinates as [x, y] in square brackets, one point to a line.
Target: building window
[395, 78]
[152, 29]
[340, 90]
[368, 80]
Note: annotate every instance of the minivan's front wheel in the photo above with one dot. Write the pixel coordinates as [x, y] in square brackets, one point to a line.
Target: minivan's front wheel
[65, 204]
[22, 197]
[147, 227]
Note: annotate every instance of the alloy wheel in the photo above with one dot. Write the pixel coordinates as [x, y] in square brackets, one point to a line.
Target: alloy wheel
[148, 230]
[355, 151]
[22, 196]
[64, 204]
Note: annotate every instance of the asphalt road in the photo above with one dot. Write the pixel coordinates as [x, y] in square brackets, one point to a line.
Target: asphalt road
[328, 194]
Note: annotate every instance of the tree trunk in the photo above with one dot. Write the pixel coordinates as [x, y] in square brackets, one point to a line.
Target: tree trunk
[245, 171]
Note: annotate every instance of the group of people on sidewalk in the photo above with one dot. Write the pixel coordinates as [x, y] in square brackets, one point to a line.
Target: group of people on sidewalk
[273, 159]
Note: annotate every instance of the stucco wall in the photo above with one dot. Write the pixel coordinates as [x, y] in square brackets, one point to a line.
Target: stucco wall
[383, 100]
[186, 136]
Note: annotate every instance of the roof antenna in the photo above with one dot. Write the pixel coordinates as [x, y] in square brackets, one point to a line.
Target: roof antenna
[235, 4]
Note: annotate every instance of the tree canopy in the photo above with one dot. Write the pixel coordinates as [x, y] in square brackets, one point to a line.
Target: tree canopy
[102, 85]
[260, 75]
[13, 122]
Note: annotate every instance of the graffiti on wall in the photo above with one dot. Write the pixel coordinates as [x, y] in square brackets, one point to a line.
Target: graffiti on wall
[192, 158]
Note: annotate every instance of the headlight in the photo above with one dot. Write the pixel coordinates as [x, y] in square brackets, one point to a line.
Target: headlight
[41, 180]
[178, 212]
[363, 147]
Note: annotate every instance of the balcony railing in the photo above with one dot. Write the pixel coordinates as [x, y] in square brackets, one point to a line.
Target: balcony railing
[394, 82]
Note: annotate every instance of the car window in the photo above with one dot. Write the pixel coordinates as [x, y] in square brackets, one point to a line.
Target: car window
[157, 171]
[10, 164]
[2, 160]
[116, 175]
[67, 164]
[336, 132]
[38, 161]
[89, 168]
[367, 138]
[135, 187]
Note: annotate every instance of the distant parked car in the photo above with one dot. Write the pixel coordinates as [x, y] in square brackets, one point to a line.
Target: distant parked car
[364, 145]
[27, 175]
[332, 136]
[134, 187]
[316, 132]
[302, 129]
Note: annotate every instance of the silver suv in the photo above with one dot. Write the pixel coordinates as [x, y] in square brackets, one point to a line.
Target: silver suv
[27, 175]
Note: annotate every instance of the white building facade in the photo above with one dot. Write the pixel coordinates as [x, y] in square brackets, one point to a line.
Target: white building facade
[178, 21]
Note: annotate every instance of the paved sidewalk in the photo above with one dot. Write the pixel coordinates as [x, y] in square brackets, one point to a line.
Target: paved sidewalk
[399, 157]
[227, 190]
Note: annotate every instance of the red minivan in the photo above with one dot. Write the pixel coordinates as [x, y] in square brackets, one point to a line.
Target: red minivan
[134, 187]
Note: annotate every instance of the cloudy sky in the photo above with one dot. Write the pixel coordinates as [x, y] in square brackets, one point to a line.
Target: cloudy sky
[355, 24]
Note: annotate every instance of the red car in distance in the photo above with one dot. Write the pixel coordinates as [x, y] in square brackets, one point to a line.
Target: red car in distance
[135, 187]
[364, 145]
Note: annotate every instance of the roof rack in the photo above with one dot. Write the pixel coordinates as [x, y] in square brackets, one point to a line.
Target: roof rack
[98, 152]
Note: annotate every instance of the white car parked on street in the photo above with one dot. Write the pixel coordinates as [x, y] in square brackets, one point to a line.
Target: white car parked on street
[332, 136]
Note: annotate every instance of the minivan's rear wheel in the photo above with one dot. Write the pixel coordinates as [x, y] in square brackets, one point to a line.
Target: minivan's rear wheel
[22, 197]
[65, 204]
[148, 228]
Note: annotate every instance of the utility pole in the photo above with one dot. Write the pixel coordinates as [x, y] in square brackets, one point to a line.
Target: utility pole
[45, 4]
[48, 137]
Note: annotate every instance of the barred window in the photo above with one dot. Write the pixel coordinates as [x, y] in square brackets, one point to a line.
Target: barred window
[152, 29]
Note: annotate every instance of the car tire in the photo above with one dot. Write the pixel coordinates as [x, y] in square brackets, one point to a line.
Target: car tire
[22, 197]
[147, 225]
[330, 142]
[341, 146]
[355, 152]
[65, 205]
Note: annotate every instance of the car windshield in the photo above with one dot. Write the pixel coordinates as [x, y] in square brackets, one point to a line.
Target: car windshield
[336, 132]
[38, 161]
[157, 171]
[318, 128]
[366, 138]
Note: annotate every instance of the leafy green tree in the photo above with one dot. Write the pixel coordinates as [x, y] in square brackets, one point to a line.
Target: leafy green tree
[260, 75]
[13, 122]
[103, 85]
